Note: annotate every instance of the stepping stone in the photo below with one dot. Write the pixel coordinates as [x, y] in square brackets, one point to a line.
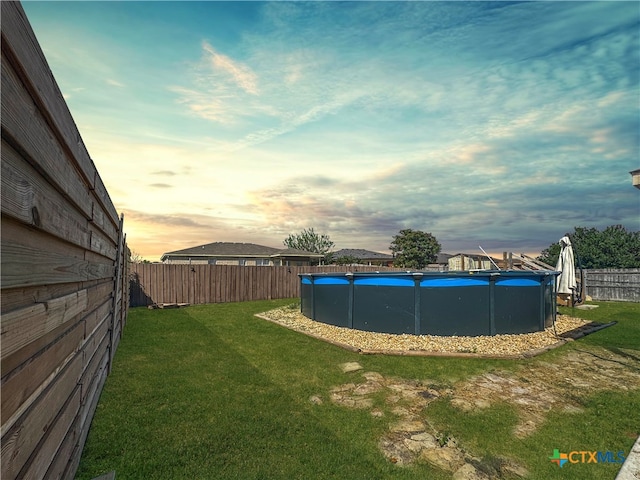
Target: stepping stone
[350, 367]
[446, 458]
[352, 402]
[373, 377]
[469, 472]
[408, 425]
[421, 441]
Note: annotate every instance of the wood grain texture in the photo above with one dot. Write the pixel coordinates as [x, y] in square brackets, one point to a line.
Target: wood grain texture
[24, 266]
[24, 128]
[102, 220]
[21, 327]
[194, 284]
[14, 298]
[63, 305]
[20, 441]
[102, 244]
[104, 200]
[20, 43]
[27, 197]
[610, 284]
[53, 438]
[23, 385]
[87, 410]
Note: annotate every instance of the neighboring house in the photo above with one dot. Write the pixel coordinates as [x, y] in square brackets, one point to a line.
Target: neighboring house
[441, 264]
[467, 261]
[365, 257]
[247, 254]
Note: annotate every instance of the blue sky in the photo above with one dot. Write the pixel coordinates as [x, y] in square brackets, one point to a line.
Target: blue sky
[499, 124]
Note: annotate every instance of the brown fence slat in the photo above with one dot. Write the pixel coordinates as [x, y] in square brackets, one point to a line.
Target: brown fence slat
[24, 126]
[30, 199]
[195, 284]
[64, 279]
[18, 36]
[621, 285]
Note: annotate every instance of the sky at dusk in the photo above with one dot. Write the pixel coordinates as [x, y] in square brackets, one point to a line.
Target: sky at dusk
[499, 124]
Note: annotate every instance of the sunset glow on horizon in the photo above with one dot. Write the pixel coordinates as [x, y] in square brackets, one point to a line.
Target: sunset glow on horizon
[500, 124]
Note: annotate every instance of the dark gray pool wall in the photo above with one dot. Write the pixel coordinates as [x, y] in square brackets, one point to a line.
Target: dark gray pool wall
[432, 303]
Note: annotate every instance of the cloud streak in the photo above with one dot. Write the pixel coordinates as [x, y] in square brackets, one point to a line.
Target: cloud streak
[239, 73]
[496, 123]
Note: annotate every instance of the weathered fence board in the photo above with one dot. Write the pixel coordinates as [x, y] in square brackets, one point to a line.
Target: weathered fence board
[23, 125]
[29, 198]
[38, 373]
[17, 33]
[196, 284]
[21, 327]
[622, 285]
[19, 443]
[54, 437]
[64, 271]
[91, 388]
[24, 266]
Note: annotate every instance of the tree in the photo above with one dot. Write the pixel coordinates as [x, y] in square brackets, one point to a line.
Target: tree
[551, 254]
[346, 260]
[613, 247]
[310, 241]
[135, 257]
[414, 249]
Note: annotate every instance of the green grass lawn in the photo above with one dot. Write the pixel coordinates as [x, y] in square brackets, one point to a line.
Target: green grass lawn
[210, 391]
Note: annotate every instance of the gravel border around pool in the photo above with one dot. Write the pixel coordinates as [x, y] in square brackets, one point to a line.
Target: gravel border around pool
[498, 346]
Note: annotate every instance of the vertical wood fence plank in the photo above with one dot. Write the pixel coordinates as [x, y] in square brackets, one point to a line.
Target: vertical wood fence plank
[197, 284]
[611, 284]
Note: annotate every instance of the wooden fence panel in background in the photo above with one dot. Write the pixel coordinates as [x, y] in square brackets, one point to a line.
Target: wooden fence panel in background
[196, 284]
[621, 285]
[156, 283]
[64, 271]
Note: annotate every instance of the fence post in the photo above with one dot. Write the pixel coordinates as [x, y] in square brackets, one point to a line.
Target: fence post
[417, 308]
[116, 288]
[349, 276]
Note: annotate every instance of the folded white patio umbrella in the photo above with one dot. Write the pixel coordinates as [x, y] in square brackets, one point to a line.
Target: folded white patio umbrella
[566, 281]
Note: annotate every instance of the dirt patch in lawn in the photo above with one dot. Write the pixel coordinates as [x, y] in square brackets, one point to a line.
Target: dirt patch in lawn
[533, 390]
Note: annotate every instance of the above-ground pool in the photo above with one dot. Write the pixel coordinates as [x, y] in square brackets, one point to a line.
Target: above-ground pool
[432, 303]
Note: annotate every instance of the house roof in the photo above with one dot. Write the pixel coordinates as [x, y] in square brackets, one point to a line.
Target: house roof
[360, 253]
[293, 252]
[443, 258]
[232, 249]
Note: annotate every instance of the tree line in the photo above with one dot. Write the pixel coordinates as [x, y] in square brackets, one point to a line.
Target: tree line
[613, 247]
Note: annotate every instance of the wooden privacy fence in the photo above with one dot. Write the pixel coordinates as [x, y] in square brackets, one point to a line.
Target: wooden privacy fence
[196, 284]
[622, 285]
[161, 283]
[64, 269]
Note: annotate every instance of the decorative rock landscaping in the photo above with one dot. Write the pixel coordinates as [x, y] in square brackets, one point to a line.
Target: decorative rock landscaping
[500, 346]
